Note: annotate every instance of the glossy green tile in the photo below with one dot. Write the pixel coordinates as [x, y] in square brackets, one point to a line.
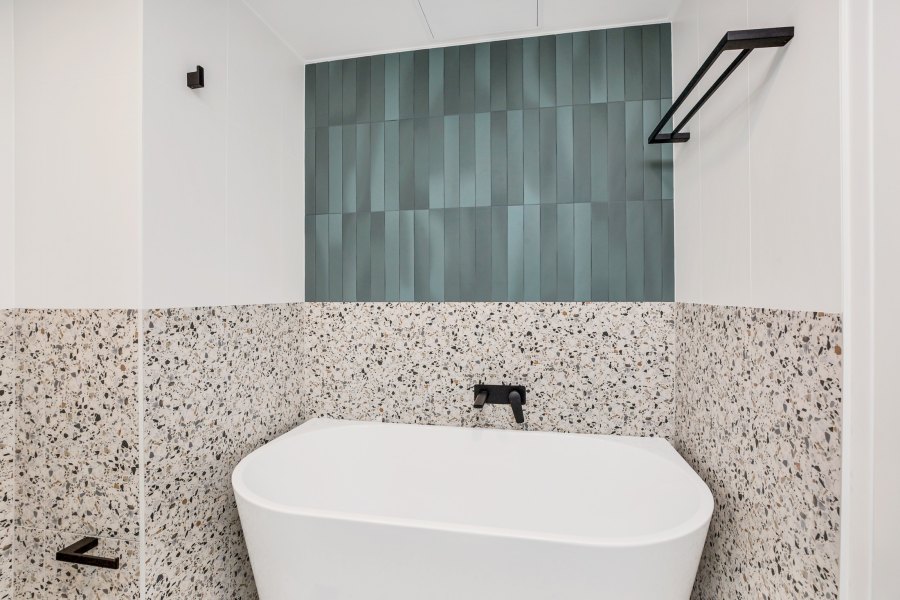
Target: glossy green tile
[616, 151]
[348, 250]
[547, 47]
[599, 153]
[407, 83]
[653, 253]
[392, 87]
[548, 156]
[498, 75]
[377, 90]
[335, 259]
[392, 165]
[653, 168]
[323, 271]
[335, 92]
[531, 73]
[650, 56]
[515, 255]
[634, 151]
[532, 155]
[421, 163]
[309, 156]
[392, 256]
[634, 78]
[499, 249]
[348, 168]
[451, 161]
[482, 77]
[565, 259]
[581, 154]
[376, 166]
[665, 60]
[436, 82]
[452, 290]
[451, 81]
[467, 254]
[565, 158]
[514, 89]
[377, 258]
[617, 250]
[436, 184]
[582, 252]
[363, 90]
[421, 81]
[615, 65]
[515, 157]
[549, 250]
[309, 87]
[668, 253]
[666, 158]
[421, 258]
[436, 255]
[483, 159]
[634, 251]
[363, 168]
[407, 165]
[599, 64]
[407, 256]
[364, 257]
[564, 69]
[335, 170]
[467, 160]
[322, 89]
[309, 248]
[600, 252]
[466, 79]
[581, 67]
[498, 159]
[483, 254]
[532, 253]
[349, 92]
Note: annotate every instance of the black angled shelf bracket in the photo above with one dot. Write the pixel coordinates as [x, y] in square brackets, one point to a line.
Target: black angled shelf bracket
[746, 41]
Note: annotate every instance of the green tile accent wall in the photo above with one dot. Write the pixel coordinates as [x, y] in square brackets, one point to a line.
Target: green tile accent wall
[505, 171]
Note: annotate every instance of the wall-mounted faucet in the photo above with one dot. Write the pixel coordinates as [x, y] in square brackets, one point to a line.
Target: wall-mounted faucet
[514, 395]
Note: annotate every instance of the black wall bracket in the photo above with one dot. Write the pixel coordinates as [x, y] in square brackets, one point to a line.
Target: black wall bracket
[746, 41]
[195, 79]
[76, 554]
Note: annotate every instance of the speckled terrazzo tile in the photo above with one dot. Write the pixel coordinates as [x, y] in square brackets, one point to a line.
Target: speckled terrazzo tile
[7, 536]
[68, 581]
[29, 555]
[7, 392]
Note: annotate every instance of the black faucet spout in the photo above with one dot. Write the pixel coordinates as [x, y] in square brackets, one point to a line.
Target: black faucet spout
[514, 395]
[515, 402]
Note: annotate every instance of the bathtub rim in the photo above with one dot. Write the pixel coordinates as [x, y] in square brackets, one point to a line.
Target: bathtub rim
[697, 521]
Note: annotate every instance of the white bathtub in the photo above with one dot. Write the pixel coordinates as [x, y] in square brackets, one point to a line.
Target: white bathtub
[362, 511]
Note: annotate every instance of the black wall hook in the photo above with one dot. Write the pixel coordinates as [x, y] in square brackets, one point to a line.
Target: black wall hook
[76, 554]
[195, 79]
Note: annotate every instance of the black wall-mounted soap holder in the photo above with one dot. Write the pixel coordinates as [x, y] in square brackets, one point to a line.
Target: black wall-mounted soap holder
[76, 554]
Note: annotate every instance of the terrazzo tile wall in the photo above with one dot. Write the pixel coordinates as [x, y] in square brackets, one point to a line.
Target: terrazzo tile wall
[7, 440]
[758, 416]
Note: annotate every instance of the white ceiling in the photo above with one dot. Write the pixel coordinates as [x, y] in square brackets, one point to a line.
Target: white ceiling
[324, 29]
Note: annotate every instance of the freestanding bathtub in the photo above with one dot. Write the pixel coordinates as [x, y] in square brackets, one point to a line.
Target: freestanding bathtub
[363, 511]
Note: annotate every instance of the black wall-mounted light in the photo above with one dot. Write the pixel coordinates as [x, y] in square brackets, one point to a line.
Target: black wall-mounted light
[195, 79]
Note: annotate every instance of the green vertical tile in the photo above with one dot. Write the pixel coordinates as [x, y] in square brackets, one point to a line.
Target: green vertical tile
[421, 81]
[322, 89]
[436, 82]
[617, 251]
[532, 155]
[499, 249]
[392, 87]
[514, 90]
[615, 153]
[564, 69]
[634, 251]
[436, 255]
[652, 153]
[323, 272]
[532, 253]
[581, 68]
[665, 60]
[531, 73]
[600, 252]
[407, 164]
[547, 47]
[615, 65]
[549, 249]
[309, 155]
[467, 254]
[349, 92]
[407, 83]
[599, 65]
[666, 163]
[599, 153]
[335, 259]
[451, 255]
[392, 165]
[421, 163]
[376, 166]
[466, 160]
[634, 151]
[392, 256]
[377, 89]
[565, 173]
[581, 153]
[421, 259]
[436, 162]
[309, 87]
[634, 78]
[565, 258]
[515, 254]
[322, 170]
[377, 258]
[483, 159]
[483, 254]
[363, 168]
[582, 252]
[451, 80]
[335, 170]
[651, 62]
[548, 156]
[498, 75]
[498, 159]
[348, 168]
[335, 92]
[451, 161]
[653, 251]
[515, 156]
[363, 89]
[348, 237]
[482, 77]
[668, 253]
[466, 79]
[364, 257]
[407, 256]
[309, 270]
